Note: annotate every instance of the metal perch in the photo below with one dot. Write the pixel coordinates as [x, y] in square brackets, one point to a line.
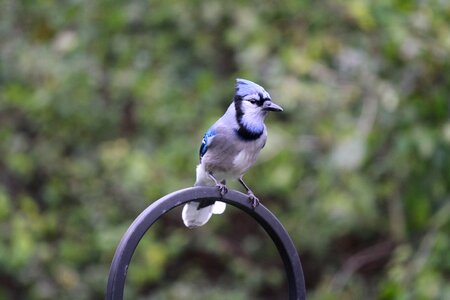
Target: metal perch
[151, 214]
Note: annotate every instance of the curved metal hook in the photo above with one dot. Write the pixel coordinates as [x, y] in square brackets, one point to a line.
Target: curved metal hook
[130, 240]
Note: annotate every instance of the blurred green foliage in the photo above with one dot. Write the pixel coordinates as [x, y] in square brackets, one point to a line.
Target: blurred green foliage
[103, 105]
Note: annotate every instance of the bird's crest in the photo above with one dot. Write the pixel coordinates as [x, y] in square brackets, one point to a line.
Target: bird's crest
[248, 89]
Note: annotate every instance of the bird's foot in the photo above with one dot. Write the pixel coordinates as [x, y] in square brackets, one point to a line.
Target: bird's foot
[222, 188]
[254, 201]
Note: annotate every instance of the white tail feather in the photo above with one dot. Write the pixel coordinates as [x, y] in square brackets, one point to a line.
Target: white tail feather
[193, 217]
[218, 208]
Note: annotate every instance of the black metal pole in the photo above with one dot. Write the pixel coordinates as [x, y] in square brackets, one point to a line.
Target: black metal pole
[151, 214]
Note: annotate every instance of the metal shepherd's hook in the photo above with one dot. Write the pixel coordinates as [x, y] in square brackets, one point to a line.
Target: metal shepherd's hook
[151, 214]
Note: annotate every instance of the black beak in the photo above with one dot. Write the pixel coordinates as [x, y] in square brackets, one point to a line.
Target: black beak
[270, 106]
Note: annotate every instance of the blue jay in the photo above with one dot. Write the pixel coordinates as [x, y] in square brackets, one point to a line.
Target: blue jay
[230, 147]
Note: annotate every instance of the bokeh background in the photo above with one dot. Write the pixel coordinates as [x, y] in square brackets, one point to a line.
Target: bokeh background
[103, 105]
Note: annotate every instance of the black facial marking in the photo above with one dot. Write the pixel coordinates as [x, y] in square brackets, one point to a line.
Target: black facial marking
[243, 132]
[238, 107]
[261, 99]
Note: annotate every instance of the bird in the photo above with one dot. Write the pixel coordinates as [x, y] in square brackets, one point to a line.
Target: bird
[229, 149]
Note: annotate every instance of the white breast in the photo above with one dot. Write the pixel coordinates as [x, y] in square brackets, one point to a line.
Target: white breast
[244, 160]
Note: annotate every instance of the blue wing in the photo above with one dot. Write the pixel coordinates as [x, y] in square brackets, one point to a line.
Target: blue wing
[207, 138]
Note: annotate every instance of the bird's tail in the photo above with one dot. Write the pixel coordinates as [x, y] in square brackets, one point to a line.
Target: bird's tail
[197, 214]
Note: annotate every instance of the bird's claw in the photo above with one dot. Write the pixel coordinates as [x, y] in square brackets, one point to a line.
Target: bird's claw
[222, 189]
[254, 201]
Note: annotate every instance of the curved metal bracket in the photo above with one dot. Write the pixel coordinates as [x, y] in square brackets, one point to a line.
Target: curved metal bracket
[130, 240]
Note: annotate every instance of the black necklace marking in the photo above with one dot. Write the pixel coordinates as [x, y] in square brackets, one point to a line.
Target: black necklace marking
[248, 135]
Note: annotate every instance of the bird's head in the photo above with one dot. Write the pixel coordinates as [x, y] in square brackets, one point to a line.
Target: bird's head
[252, 103]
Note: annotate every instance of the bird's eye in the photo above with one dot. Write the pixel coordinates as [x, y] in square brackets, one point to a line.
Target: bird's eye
[252, 101]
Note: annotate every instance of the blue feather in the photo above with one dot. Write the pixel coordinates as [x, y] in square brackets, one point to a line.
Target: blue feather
[246, 87]
[206, 141]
